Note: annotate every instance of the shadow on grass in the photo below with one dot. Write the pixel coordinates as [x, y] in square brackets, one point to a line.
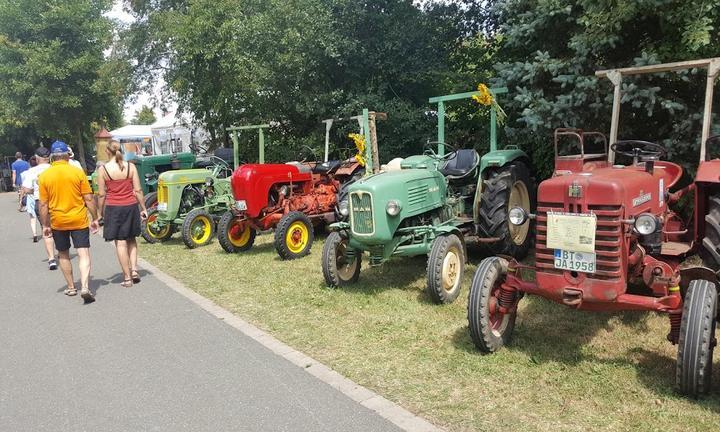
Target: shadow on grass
[548, 332]
[398, 273]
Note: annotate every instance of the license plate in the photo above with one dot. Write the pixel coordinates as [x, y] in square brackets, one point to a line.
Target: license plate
[575, 261]
[162, 206]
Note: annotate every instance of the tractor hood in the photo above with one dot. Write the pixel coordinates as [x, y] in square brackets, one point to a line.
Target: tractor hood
[251, 183]
[630, 187]
[185, 176]
[417, 191]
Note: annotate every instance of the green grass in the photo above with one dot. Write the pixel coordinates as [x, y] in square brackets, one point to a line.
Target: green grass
[564, 370]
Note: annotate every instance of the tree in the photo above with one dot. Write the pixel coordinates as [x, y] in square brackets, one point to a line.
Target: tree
[550, 50]
[143, 116]
[54, 75]
[297, 62]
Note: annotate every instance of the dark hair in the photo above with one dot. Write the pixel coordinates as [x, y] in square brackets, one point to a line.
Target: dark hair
[33, 161]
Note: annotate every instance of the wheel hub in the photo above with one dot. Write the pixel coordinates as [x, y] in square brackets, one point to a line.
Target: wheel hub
[450, 270]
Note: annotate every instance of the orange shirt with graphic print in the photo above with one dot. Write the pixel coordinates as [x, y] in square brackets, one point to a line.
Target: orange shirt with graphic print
[62, 187]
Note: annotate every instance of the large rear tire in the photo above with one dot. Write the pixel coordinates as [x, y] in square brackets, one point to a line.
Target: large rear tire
[151, 200]
[489, 328]
[339, 270]
[152, 235]
[697, 339]
[505, 188]
[198, 228]
[233, 235]
[294, 236]
[445, 269]
[710, 250]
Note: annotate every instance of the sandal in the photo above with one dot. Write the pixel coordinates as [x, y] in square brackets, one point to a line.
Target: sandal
[70, 291]
[135, 276]
[127, 283]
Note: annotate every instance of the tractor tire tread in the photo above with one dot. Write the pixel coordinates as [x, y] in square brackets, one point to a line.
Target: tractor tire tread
[493, 209]
[478, 313]
[329, 264]
[187, 226]
[696, 342]
[710, 250]
[440, 247]
[281, 231]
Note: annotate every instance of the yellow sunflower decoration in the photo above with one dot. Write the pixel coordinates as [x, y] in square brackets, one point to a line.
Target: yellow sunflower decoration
[359, 141]
[484, 97]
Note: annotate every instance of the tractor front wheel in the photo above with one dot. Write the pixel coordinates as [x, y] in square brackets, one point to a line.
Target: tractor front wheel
[198, 228]
[693, 374]
[445, 269]
[234, 235]
[505, 188]
[294, 236]
[151, 232]
[490, 329]
[710, 250]
[338, 266]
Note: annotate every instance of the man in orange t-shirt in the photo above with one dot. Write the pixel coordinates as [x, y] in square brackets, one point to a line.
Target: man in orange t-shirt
[65, 199]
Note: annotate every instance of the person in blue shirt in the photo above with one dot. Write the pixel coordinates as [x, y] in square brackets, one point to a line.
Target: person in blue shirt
[19, 167]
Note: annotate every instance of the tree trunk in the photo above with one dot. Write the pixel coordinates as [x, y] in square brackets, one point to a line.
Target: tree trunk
[80, 147]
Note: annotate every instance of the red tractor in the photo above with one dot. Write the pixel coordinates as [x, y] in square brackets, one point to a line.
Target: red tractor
[292, 198]
[607, 239]
[295, 197]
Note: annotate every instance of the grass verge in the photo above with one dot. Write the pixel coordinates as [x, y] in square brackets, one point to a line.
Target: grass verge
[564, 370]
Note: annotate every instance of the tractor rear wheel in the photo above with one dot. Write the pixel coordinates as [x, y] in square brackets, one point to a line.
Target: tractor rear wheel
[693, 373]
[155, 235]
[151, 200]
[338, 268]
[294, 236]
[489, 328]
[710, 250]
[233, 235]
[198, 228]
[445, 269]
[505, 188]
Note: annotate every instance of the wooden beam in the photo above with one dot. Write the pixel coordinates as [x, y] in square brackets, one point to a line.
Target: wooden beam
[659, 68]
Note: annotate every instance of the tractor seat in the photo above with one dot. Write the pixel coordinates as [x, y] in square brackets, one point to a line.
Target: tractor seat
[463, 163]
[303, 168]
[326, 167]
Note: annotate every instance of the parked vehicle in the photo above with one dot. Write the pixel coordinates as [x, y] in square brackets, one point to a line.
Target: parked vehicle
[292, 198]
[608, 239]
[434, 205]
[193, 200]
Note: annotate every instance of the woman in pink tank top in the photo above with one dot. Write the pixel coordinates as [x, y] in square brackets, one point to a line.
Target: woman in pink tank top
[122, 206]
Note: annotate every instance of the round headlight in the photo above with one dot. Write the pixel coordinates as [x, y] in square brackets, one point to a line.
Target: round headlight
[646, 224]
[517, 216]
[343, 208]
[393, 208]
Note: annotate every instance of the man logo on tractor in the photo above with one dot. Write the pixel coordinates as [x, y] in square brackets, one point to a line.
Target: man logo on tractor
[607, 241]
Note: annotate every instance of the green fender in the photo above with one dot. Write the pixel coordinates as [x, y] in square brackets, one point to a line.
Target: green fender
[502, 157]
[449, 229]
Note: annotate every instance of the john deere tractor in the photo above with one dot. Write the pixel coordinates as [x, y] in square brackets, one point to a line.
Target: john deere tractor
[434, 205]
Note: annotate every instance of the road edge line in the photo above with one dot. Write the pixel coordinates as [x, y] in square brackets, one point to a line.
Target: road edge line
[385, 408]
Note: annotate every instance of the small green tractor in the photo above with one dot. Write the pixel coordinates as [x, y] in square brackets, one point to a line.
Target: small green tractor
[435, 204]
[193, 200]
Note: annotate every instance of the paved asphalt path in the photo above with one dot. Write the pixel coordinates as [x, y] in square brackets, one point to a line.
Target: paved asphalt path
[140, 359]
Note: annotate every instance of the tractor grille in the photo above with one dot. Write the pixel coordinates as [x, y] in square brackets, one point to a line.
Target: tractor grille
[608, 239]
[162, 192]
[361, 210]
[416, 195]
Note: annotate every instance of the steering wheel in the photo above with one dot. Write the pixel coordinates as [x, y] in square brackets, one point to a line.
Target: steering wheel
[429, 151]
[219, 165]
[312, 153]
[641, 150]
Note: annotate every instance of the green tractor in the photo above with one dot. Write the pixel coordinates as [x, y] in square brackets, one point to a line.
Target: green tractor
[434, 205]
[193, 200]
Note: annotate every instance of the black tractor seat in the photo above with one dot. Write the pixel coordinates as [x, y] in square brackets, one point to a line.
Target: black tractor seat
[461, 164]
[326, 167]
